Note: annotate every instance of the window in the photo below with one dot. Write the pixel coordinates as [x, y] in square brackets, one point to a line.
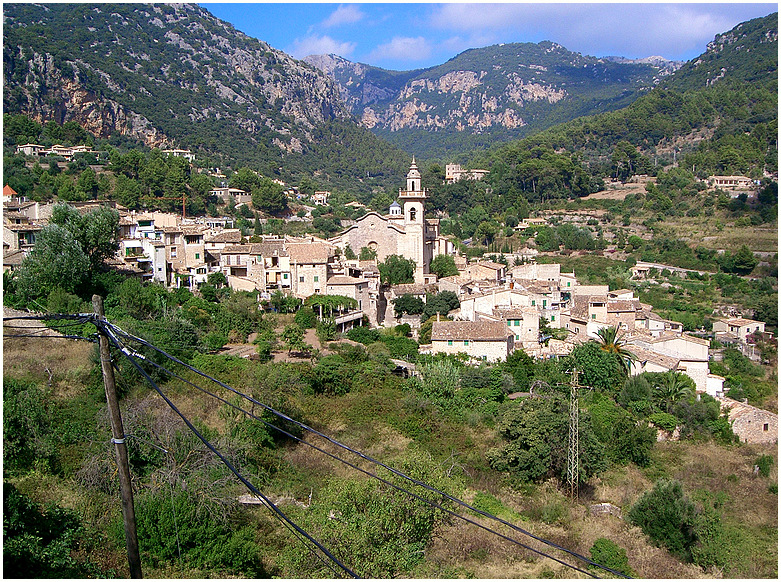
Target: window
[466, 342]
[301, 279]
[284, 275]
[173, 253]
[516, 322]
[450, 342]
[412, 214]
[517, 338]
[765, 427]
[544, 303]
[317, 279]
[552, 318]
[534, 303]
[593, 316]
[567, 283]
[197, 255]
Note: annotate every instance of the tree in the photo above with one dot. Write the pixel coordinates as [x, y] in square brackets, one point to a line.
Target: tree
[269, 196]
[667, 516]
[293, 337]
[536, 433]
[443, 266]
[367, 254]
[671, 387]
[600, 369]
[613, 343]
[442, 303]
[97, 231]
[397, 270]
[408, 303]
[57, 260]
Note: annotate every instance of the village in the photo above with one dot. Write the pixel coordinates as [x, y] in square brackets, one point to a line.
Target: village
[501, 306]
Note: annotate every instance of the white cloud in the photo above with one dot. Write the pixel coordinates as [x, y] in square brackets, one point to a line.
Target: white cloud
[320, 45]
[627, 29]
[402, 48]
[345, 14]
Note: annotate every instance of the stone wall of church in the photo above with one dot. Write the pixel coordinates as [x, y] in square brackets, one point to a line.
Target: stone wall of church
[373, 229]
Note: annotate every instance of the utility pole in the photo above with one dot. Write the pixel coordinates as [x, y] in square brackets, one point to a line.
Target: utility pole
[573, 449]
[120, 448]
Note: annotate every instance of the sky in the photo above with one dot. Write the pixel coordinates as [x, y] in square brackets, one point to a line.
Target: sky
[405, 36]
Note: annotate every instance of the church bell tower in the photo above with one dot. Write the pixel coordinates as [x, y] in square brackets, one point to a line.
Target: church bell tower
[412, 200]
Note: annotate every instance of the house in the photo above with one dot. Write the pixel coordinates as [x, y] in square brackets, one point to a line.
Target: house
[454, 173]
[481, 340]
[730, 182]
[522, 322]
[239, 196]
[749, 423]
[353, 287]
[488, 270]
[186, 154]
[739, 327]
[320, 198]
[309, 267]
[681, 353]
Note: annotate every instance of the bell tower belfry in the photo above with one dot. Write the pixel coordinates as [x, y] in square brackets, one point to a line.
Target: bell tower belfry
[414, 244]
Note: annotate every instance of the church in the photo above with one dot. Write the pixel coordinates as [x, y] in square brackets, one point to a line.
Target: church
[404, 231]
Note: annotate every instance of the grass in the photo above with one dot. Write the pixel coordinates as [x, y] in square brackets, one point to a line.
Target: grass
[393, 425]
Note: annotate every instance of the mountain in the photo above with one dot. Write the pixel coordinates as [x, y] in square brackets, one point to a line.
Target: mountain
[481, 96]
[718, 114]
[174, 75]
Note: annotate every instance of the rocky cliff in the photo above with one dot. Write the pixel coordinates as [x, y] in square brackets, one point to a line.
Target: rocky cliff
[495, 91]
[150, 71]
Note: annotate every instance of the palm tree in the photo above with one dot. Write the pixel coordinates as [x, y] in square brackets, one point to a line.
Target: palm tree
[672, 388]
[610, 341]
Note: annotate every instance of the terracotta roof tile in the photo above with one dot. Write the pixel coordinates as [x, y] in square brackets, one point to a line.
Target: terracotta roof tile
[470, 330]
[311, 253]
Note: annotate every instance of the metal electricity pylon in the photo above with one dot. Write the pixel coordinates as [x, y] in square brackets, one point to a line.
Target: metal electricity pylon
[573, 442]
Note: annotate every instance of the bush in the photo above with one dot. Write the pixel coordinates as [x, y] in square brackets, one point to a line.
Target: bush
[40, 543]
[667, 516]
[607, 553]
[664, 421]
[306, 317]
[765, 462]
[364, 335]
[184, 523]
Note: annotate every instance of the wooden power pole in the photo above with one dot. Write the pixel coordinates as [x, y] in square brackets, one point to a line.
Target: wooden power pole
[120, 448]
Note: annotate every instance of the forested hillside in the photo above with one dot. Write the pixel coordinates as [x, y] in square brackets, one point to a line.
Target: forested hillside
[173, 75]
[725, 123]
[487, 95]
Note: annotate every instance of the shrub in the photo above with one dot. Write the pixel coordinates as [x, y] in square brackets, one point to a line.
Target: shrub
[363, 335]
[40, 542]
[306, 317]
[664, 421]
[765, 462]
[607, 553]
[667, 516]
[185, 523]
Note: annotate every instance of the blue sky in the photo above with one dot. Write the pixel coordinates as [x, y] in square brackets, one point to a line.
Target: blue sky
[402, 36]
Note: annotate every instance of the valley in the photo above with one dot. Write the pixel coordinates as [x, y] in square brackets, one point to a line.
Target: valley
[512, 316]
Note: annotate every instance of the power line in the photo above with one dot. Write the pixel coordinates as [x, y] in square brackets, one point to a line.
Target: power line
[374, 475]
[280, 514]
[111, 330]
[374, 461]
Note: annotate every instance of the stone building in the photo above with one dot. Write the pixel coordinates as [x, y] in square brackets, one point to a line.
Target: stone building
[481, 340]
[404, 231]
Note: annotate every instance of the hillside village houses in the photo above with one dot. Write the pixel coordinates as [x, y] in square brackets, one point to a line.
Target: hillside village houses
[500, 307]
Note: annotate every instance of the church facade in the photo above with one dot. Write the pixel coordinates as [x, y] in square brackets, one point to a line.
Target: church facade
[404, 231]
